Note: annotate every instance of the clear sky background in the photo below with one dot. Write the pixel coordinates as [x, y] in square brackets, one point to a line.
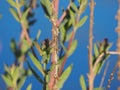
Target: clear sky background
[104, 27]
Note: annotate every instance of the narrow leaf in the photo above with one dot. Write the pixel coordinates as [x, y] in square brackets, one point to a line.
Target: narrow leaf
[38, 48]
[82, 21]
[68, 36]
[12, 3]
[99, 89]
[25, 46]
[35, 74]
[21, 82]
[72, 15]
[83, 4]
[96, 51]
[14, 13]
[29, 87]
[64, 77]
[72, 48]
[82, 83]
[46, 4]
[36, 63]
[25, 14]
[6, 68]
[65, 50]
[74, 6]
[63, 32]
[7, 81]
[16, 74]
[103, 62]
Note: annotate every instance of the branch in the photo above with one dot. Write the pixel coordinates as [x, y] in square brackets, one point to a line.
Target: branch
[91, 74]
[24, 33]
[113, 53]
[63, 15]
[65, 57]
[71, 38]
[54, 58]
[100, 58]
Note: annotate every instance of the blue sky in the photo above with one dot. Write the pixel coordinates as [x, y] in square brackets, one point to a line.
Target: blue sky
[104, 27]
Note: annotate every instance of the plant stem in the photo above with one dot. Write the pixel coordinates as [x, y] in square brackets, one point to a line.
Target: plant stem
[24, 33]
[63, 15]
[54, 58]
[70, 41]
[66, 56]
[91, 73]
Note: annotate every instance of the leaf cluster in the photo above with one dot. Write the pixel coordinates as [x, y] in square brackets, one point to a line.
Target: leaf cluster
[15, 77]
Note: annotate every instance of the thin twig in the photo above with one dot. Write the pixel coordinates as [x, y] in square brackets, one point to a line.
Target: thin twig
[113, 53]
[24, 33]
[70, 42]
[63, 15]
[104, 74]
[66, 56]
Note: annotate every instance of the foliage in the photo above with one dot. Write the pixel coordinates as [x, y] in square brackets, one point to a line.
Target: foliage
[49, 73]
[15, 77]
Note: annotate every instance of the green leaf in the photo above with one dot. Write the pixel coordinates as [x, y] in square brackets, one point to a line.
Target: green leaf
[72, 48]
[109, 46]
[100, 65]
[63, 32]
[25, 46]
[82, 83]
[83, 4]
[12, 3]
[68, 36]
[74, 6]
[12, 69]
[64, 77]
[72, 15]
[14, 13]
[16, 74]
[35, 74]
[38, 48]
[29, 87]
[99, 89]
[98, 68]
[22, 2]
[82, 21]
[6, 68]
[46, 4]
[24, 16]
[79, 1]
[102, 48]
[21, 82]
[36, 63]
[8, 81]
[47, 77]
[96, 51]
[65, 50]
